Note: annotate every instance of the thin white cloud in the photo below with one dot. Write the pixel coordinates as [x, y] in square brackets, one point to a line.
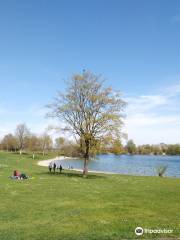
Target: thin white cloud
[143, 120]
[172, 91]
[151, 117]
[145, 103]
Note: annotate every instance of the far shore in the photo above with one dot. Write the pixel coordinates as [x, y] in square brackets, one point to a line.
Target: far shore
[45, 163]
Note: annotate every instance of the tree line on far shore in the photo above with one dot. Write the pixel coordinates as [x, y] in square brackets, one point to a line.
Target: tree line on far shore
[22, 140]
[155, 149]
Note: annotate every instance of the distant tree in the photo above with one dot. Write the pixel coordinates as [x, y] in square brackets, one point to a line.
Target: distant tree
[9, 142]
[173, 149]
[59, 142]
[156, 150]
[45, 143]
[70, 149]
[147, 149]
[131, 147]
[117, 147]
[33, 144]
[90, 111]
[163, 148]
[144, 149]
[21, 134]
[105, 145]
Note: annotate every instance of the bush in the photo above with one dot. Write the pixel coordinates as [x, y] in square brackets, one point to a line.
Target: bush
[161, 170]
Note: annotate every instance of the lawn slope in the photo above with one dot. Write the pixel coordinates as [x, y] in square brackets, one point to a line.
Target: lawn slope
[68, 206]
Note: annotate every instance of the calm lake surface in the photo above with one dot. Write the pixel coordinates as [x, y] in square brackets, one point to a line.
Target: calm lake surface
[144, 165]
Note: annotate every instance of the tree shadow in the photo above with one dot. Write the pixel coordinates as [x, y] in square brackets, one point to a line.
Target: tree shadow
[73, 174]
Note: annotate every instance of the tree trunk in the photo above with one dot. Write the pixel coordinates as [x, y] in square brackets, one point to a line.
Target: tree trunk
[20, 152]
[86, 158]
[85, 170]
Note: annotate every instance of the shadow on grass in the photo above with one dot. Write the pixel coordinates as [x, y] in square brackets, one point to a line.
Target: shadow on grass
[73, 174]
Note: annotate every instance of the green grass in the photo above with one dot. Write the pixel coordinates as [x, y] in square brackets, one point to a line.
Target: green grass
[68, 206]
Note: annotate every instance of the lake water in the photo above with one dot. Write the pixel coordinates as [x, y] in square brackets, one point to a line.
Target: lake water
[144, 165]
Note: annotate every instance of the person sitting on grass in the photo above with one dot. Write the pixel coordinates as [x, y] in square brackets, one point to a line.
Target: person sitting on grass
[23, 176]
[18, 175]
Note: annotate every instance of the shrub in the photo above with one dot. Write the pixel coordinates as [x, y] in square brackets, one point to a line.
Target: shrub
[161, 170]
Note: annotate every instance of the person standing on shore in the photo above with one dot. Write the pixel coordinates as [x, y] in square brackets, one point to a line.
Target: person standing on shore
[60, 168]
[54, 167]
[50, 167]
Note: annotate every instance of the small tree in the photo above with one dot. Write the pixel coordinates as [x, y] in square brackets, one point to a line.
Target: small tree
[117, 147]
[161, 170]
[9, 142]
[21, 134]
[131, 147]
[45, 143]
[59, 142]
[90, 111]
[33, 144]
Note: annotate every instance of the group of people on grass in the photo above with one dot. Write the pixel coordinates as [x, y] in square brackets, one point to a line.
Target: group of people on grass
[54, 167]
[18, 175]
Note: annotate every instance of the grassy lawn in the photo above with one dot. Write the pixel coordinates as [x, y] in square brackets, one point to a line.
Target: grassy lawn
[67, 206]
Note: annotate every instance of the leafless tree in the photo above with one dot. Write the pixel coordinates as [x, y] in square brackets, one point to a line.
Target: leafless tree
[21, 134]
[45, 143]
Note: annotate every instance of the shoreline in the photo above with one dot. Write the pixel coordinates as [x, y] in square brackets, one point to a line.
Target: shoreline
[45, 163]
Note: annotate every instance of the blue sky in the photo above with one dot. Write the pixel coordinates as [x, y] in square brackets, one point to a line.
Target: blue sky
[134, 44]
